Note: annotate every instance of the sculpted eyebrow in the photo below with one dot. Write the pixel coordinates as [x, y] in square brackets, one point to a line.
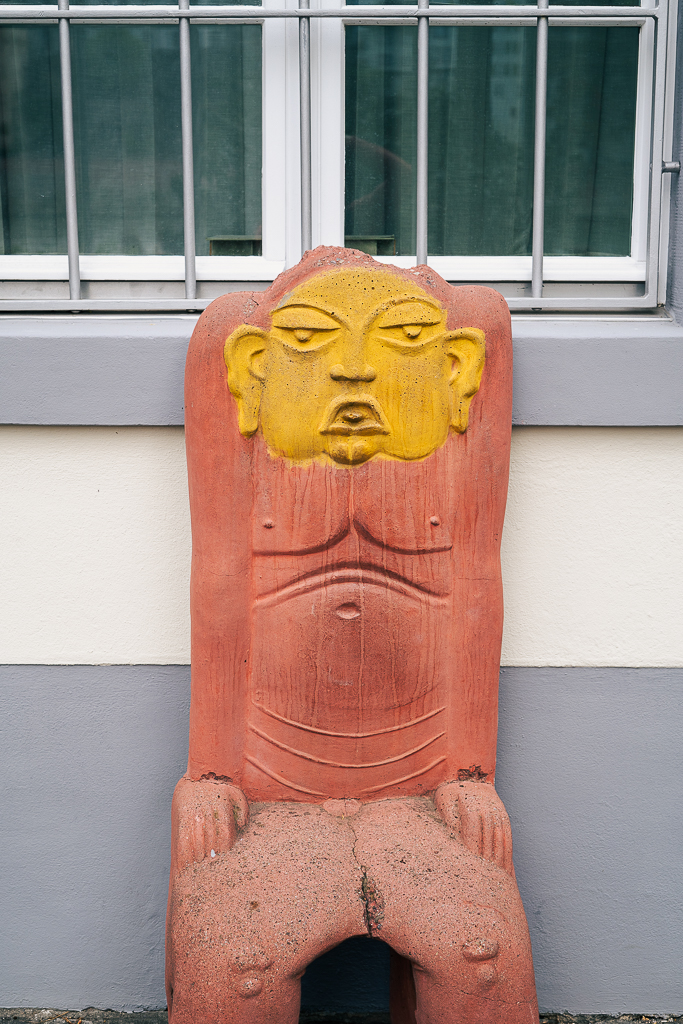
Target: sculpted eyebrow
[409, 313]
[306, 317]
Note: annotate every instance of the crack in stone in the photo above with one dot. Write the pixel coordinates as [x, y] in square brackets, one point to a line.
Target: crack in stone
[370, 894]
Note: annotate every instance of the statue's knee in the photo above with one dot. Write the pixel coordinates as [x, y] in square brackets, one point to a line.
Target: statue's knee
[476, 949]
[249, 971]
[495, 956]
[481, 958]
[211, 976]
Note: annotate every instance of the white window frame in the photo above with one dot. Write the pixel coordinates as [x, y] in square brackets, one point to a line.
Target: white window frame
[281, 193]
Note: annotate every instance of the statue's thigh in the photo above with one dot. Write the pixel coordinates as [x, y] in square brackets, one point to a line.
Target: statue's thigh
[472, 957]
[244, 926]
[458, 918]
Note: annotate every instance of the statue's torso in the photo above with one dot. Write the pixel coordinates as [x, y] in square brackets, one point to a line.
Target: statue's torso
[346, 619]
[349, 660]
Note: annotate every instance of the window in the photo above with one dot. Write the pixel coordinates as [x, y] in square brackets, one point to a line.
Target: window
[563, 208]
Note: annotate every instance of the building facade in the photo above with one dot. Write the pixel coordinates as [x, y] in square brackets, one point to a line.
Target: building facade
[96, 541]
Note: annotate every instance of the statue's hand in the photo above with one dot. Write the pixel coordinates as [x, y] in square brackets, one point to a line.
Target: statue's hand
[205, 819]
[476, 813]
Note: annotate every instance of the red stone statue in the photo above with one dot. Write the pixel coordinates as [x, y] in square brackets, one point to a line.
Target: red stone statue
[348, 435]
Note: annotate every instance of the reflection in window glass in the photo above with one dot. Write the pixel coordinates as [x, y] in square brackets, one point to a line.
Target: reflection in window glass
[590, 144]
[31, 165]
[126, 97]
[380, 137]
[226, 97]
[481, 129]
[127, 130]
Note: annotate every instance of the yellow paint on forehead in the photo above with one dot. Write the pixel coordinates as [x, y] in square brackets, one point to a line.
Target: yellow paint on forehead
[358, 364]
[350, 293]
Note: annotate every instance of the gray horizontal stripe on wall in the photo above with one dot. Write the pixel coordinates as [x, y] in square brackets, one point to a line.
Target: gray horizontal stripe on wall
[128, 370]
[590, 768]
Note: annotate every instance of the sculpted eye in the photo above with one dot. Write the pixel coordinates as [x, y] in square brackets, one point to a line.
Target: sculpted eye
[409, 321]
[304, 328]
[306, 337]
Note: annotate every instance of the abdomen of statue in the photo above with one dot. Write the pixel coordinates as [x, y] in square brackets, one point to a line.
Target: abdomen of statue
[347, 685]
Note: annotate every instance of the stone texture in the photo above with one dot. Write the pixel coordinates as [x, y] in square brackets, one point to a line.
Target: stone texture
[26, 1015]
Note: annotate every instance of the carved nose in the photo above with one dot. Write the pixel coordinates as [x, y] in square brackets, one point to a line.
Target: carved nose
[364, 373]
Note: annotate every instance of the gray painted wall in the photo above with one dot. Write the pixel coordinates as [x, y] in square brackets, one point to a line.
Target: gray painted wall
[128, 370]
[90, 756]
[590, 769]
[591, 772]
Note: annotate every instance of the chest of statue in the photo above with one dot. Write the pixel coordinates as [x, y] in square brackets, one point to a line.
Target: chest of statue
[349, 661]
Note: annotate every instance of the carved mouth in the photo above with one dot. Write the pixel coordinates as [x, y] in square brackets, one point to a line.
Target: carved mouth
[357, 416]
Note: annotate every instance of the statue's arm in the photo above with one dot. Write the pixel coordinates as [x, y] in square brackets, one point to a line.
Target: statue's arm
[476, 813]
[206, 817]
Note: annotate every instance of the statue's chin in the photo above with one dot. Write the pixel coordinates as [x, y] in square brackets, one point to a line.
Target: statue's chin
[351, 451]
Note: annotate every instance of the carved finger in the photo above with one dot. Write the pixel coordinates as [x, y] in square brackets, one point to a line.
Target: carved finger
[498, 846]
[213, 830]
[472, 828]
[446, 800]
[496, 837]
[485, 828]
[183, 848]
[225, 827]
[503, 845]
[240, 806]
[488, 833]
[507, 846]
[198, 837]
[466, 831]
[479, 817]
[501, 848]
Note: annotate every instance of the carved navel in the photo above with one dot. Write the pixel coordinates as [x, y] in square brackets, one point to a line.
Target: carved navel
[349, 610]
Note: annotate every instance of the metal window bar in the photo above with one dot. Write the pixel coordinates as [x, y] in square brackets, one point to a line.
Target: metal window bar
[305, 129]
[69, 156]
[422, 169]
[188, 154]
[538, 221]
[509, 14]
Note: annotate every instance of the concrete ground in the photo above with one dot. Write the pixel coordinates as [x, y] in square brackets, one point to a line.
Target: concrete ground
[90, 1015]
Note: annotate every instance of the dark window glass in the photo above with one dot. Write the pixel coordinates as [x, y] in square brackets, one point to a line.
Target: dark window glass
[126, 102]
[481, 133]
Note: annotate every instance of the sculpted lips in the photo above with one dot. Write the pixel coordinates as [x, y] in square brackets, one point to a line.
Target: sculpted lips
[360, 415]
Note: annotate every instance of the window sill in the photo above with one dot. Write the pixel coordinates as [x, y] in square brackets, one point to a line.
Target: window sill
[39, 284]
[139, 268]
[115, 370]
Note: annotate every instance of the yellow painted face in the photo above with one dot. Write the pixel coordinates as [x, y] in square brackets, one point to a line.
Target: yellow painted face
[358, 363]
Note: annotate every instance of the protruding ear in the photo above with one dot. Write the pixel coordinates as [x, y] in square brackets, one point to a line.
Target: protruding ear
[467, 348]
[244, 355]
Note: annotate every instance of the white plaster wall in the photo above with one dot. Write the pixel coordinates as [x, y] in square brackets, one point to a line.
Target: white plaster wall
[95, 550]
[593, 547]
[96, 546]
